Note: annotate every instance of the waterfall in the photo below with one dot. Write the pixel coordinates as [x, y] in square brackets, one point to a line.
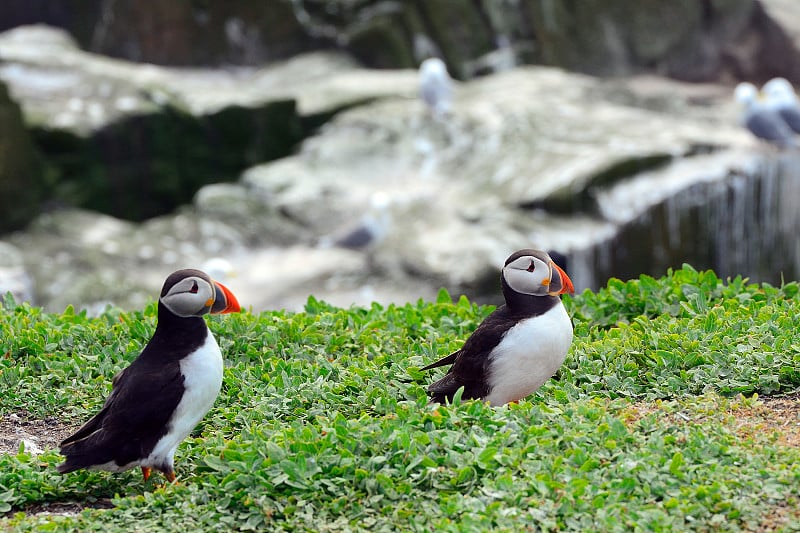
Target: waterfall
[741, 217]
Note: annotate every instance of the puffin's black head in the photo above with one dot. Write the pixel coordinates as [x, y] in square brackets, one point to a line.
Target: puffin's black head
[191, 292]
[534, 273]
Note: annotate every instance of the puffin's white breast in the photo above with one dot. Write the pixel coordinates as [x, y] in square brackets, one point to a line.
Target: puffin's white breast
[528, 355]
[202, 372]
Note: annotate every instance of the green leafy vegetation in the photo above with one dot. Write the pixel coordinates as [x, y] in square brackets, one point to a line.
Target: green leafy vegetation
[323, 423]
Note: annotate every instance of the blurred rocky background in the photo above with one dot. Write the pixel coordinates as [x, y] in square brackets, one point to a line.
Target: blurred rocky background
[283, 147]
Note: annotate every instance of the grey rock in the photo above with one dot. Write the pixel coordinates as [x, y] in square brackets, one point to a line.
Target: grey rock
[256, 222]
[486, 178]
[691, 40]
[14, 277]
[217, 33]
[62, 86]
[778, 42]
[136, 140]
[733, 211]
[21, 179]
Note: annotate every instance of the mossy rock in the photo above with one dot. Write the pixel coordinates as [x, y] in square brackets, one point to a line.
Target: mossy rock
[147, 165]
[580, 195]
[21, 178]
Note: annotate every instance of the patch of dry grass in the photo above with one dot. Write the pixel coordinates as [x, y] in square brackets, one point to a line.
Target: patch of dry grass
[776, 418]
[771, 420]
[38, 434]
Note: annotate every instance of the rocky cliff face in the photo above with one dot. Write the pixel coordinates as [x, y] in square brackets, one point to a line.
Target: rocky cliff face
[21, 179]
[623, 176]
[173, 33]
[123, 138]
[698, 40]
[732, 211]
[276, 164]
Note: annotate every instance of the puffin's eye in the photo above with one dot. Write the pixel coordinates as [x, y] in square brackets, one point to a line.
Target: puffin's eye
[194, 288]
[532, 266]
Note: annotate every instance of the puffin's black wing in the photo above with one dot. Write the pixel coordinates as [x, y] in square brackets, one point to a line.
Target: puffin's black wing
[95, 423]
[133, 418]
[471, 362]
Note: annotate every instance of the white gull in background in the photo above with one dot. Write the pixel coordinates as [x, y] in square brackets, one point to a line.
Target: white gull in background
[780, 97]
[435, 86]
[371, 229]
[762, 121]
[219, 269]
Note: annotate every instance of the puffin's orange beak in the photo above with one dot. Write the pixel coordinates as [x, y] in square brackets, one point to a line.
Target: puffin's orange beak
[225, 301]
[564, 286]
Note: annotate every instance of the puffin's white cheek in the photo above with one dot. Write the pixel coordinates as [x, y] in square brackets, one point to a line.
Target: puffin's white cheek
[523, 281]
[183, 304]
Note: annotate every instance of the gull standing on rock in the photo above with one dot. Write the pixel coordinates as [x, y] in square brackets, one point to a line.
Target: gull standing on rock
[781, 98]
[372, 228]
[435, 86]
[762, 121]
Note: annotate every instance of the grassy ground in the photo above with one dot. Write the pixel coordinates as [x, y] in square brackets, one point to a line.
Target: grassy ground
[676, 410]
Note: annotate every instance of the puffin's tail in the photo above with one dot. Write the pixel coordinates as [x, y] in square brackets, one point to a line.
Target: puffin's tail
[69, 466]
[86, 453]
[441, 397]
[80, 454]
[445, 389]
[84, 448]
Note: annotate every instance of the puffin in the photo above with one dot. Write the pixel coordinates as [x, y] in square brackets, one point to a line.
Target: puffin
[521, 344]
[161, 396]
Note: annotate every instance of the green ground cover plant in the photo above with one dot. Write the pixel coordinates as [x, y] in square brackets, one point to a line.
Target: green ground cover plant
[323, 423]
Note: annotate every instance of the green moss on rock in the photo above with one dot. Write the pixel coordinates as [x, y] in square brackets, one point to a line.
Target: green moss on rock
[21, 178]
[147, 165]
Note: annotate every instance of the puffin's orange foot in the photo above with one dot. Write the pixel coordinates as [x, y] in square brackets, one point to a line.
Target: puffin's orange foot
[170, 476]
[146, 473]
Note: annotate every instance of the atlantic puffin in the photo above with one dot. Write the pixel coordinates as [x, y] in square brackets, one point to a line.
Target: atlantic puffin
[521, 344]
[156, 401]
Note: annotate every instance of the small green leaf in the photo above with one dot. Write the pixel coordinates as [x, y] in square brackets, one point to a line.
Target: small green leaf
[676, 464]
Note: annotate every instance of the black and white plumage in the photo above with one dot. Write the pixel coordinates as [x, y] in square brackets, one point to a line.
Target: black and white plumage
[521, 344]
[435, 86]
[780, 97]
[156, 401]
[762, 121]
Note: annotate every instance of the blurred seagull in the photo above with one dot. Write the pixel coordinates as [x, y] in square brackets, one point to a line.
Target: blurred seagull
[371, 229]
[760, 119]
[435, 86]
[780, 97]
[219, 269]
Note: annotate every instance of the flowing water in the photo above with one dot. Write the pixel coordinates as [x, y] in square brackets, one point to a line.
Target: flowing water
[742, 218]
